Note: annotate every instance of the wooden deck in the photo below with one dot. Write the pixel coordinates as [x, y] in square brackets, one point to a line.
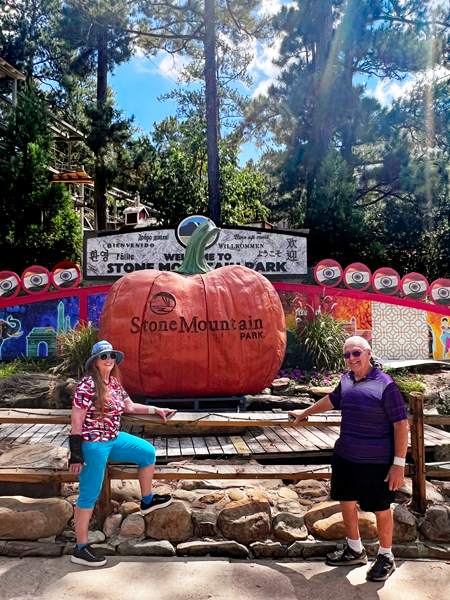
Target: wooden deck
[259, 442]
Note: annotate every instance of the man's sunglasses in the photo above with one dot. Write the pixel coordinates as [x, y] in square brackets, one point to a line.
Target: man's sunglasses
[107, 355]
[355, 353]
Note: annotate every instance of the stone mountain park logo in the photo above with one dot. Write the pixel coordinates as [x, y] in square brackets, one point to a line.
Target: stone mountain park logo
[162, 303]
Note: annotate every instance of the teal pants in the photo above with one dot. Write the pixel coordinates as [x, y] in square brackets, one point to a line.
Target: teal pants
[124, 448]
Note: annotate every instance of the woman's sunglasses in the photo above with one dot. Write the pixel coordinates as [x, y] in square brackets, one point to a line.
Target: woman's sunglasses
[107, 355]
[355, 353]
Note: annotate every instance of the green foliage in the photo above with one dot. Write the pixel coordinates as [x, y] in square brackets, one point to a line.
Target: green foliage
[23, 365]
[38, 224]
[76, 347]
[321, 340]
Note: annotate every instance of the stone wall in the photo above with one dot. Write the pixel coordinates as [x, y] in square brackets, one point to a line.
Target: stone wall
[245, 519]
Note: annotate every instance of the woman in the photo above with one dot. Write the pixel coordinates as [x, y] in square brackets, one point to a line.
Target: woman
[95, 438]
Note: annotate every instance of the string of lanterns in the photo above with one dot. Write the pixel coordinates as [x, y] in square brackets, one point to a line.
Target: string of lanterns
[385, 281]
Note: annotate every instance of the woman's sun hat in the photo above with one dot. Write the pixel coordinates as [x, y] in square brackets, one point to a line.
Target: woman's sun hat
[100, 348]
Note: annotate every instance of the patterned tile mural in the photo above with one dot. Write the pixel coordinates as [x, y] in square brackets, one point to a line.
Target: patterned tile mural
[399, 332]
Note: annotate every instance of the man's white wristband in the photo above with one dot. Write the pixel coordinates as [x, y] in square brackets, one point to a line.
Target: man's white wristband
[151, 410]
[400, 462]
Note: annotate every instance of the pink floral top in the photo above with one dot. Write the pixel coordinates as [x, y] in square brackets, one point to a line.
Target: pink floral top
[95, 430]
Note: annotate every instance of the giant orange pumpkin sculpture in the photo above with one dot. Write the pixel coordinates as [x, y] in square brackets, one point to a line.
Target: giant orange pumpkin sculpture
[196, 332]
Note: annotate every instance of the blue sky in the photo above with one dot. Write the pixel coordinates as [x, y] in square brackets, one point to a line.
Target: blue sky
[140, 82]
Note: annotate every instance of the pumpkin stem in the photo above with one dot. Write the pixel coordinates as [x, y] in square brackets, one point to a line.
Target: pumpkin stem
[194, 260]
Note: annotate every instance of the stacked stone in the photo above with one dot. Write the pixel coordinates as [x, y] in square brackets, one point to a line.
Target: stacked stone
[263, 519]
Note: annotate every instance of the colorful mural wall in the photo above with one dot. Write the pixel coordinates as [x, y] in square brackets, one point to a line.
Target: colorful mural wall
[408, 327]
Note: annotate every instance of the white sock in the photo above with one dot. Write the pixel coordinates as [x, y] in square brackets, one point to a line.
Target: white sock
[355, 545]
[382, 550]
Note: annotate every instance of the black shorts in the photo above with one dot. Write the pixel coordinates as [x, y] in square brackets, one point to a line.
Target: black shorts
[362, 482]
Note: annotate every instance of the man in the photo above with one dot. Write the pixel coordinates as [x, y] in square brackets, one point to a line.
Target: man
[368, 461]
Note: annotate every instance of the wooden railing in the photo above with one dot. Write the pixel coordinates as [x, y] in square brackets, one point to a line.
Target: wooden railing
[417, 468]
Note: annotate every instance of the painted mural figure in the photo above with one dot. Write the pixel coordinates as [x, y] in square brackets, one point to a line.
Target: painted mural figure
[11, 328]
[445, 337]
[95, 438]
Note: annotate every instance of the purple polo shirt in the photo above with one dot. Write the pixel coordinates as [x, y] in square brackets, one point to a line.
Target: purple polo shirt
[369, 408]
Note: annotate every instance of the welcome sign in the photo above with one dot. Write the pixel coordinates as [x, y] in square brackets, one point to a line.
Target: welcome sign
[270, 252]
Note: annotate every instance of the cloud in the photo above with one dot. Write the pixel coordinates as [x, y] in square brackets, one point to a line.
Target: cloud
[387, 91]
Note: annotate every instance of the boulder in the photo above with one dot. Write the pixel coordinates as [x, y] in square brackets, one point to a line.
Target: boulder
[172, 523]
[289, 527]
[236, 494]
[30, 519]
[128, 508]
[205, 523]
[220, 548]
[112, 524]
[281, 384]
[311, 488]
[33, 390]
[212, 498]
[96, 537]
[291, 506]
[146, 548]
[324, 520]
[309, 549]
[22, 549]
[39, 456]
[405, 525]
[185, 495]
[405, 492]
[436, 525]
[133, 526]
[321, 510]
[268, 549]
[287, 493]
[245, 521]
[127, 490]
[321, 391]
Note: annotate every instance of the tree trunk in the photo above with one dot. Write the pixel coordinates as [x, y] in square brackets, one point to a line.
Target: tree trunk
[100, 191]
[321, 119]
[211, 112]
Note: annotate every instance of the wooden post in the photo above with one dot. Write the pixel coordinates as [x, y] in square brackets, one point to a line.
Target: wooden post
[104, 500]
[419, 496]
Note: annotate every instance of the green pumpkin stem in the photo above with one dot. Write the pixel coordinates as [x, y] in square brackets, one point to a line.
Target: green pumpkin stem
[194, 260]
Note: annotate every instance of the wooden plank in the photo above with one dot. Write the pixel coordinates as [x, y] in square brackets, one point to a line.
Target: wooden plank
[288, 439]
[62, 438]
[253, 444]
[213, 445]
[275, 439]
[160, 445]
[259, 435]
[200, 447]
[137, 430]
[173, 447]
[318, 442]
[299, 435]
[227, 444]
[419, 496]
[240, 445]
[16, 433]
[186, 446]
[52, 434]
[40, 434]
[6, 433]
[28, 434]
[322, 434]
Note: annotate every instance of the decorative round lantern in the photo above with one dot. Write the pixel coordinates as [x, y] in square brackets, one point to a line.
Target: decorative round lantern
[196, 332]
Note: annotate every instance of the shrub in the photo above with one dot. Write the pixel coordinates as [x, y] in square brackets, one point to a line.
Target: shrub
[76, 346]
[23, 365]
[321, 340]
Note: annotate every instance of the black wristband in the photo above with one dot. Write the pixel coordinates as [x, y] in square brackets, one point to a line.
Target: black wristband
[76, 454]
